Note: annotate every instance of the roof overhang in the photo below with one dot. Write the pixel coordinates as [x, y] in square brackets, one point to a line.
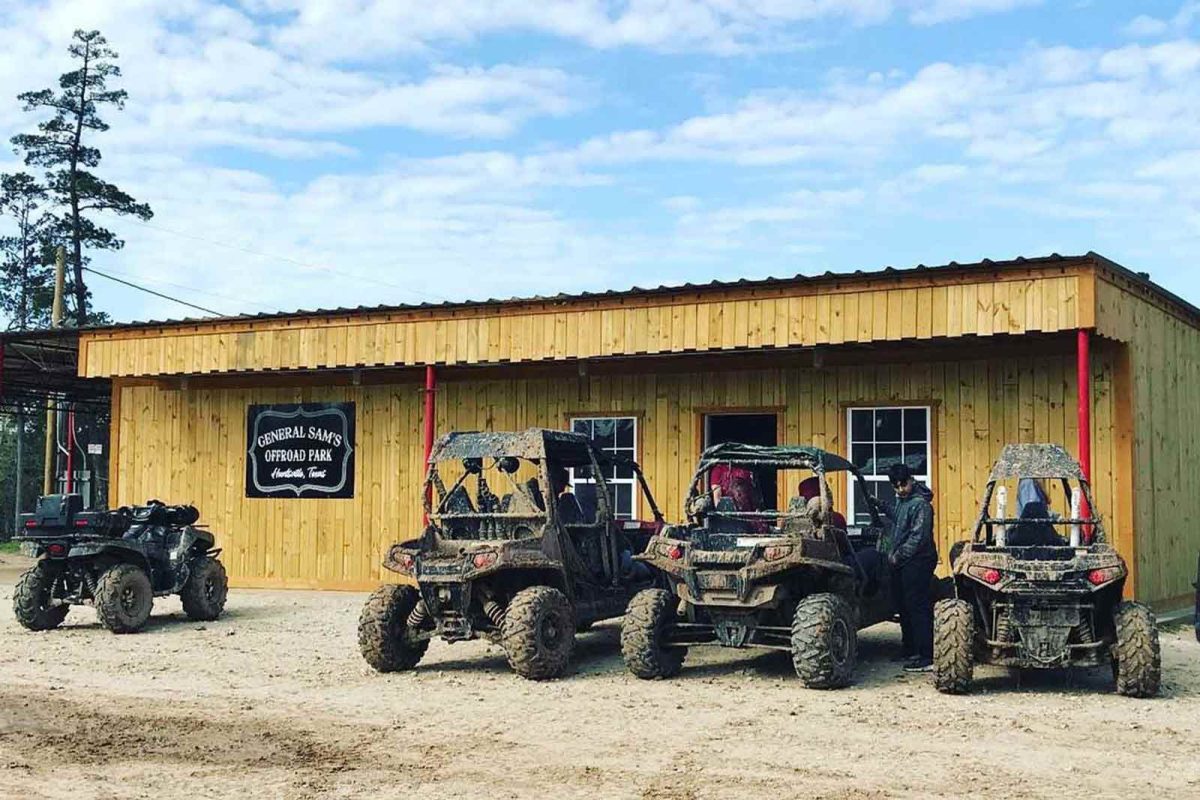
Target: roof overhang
[36, 366]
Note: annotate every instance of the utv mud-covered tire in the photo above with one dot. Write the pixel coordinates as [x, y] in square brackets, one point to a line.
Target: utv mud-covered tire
[383, 634]
[124, 598]
[1137, 660]
[204, 593]
[538, 634]
[31, 602]
[953, 640]
[647, 619]
[824, 641]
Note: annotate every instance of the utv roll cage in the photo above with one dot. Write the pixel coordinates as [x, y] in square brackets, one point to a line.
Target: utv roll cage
[775, 458]
[1038, 462]
[523, 505]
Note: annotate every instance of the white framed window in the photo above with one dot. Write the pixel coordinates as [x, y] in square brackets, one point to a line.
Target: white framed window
[880, 437]
[617, 435]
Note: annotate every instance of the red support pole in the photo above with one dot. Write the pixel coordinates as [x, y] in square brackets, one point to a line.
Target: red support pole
[430, 418]
[70, 450]
[1083, 379]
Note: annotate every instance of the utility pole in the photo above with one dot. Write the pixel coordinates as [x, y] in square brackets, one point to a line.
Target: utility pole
[56, 312]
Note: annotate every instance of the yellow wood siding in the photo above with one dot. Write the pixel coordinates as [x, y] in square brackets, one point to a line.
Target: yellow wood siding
[978, 405]
[796, 315]
[1164, 382]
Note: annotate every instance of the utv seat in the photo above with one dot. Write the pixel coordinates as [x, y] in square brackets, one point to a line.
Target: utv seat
[1032, 533]
[459, 502]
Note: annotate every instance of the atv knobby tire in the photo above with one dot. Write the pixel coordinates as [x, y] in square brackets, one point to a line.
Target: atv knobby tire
[204, 593]
[384, 639]
[1136, 656]
[31, 602]
[124, 598]
[953, 640]
[824, 641]
[650, 614]
[538, 634]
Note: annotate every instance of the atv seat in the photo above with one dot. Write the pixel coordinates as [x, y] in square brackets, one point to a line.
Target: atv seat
[1033, 530]
[459, 502]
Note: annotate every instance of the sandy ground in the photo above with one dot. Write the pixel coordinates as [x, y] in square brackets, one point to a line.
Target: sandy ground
[273, 701]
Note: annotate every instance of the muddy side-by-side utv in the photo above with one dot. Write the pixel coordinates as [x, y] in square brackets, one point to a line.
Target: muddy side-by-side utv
[117, 561]
[1040, 589]
[741, 575]
[522, 547]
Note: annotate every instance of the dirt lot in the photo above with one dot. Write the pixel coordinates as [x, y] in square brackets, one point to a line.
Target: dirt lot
[273, 701]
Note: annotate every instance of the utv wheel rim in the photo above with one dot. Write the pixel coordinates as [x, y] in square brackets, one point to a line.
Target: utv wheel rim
[551, 631]
[839, 641]
[129, 600]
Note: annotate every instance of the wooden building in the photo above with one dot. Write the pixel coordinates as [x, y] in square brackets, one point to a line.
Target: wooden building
[940, 365]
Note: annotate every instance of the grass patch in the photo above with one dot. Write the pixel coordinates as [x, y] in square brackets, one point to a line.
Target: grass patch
[10, 547]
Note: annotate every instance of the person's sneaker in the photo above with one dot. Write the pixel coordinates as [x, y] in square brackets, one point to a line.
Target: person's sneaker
[919, 665]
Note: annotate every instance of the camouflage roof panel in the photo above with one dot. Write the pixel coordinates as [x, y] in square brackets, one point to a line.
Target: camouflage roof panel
[1035, 461]
[532, 443]
[781, 456]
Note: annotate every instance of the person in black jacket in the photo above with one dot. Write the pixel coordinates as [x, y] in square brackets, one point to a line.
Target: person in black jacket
[912, 558]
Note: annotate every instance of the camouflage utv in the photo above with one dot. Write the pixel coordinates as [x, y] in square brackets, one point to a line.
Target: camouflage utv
[797, 580]
[1036, 590]
[510, 552]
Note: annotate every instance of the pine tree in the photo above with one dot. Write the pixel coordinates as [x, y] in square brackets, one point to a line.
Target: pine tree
[62, 147]
[26, 277]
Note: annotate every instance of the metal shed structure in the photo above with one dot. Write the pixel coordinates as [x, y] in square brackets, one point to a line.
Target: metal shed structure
[940, 365]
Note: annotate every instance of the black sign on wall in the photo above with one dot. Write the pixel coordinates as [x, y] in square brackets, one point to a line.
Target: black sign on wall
[300, 450]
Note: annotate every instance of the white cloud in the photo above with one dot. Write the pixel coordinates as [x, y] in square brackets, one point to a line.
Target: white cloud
[932, 12]
[1145, 27]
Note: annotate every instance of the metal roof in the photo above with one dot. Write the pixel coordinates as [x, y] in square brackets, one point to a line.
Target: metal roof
[1021, 262]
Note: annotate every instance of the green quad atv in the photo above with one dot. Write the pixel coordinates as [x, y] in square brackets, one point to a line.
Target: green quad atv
[1035, 590]
[503, 559]
[798, 581]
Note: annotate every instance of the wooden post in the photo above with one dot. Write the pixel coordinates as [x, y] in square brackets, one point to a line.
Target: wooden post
[56, 313]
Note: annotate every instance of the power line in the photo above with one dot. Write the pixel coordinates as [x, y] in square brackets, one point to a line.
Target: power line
[289, 260]
[185, 287]
[156, 294]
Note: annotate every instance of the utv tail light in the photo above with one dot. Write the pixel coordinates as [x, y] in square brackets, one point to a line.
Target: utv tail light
[484, 559]
[1099, 577]
[56, 550]
[675, 553]
[31, 523]
[989, 575]
[776, 552]
[81, 523]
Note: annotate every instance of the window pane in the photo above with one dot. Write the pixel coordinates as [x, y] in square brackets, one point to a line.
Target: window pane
[884, 491]
[862, 515]
[583, 426]
[888, 425]
[624, 471]
[885, 456]
[624, 500]
[915, 429]
[916, 456]
[862, 425]
[603, 434]
[624, 427]
[862, 455]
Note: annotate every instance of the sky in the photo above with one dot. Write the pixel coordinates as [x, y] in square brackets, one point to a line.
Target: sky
[321, 153]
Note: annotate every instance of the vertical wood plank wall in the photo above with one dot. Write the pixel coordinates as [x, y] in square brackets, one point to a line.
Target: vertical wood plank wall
[188, 445]
[1164, 376]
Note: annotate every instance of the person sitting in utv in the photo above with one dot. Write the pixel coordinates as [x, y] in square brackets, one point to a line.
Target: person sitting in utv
[569, 510]
[866, 560]
[1035, 529]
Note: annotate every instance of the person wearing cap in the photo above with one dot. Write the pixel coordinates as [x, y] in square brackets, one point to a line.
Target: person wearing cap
[911, 558]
